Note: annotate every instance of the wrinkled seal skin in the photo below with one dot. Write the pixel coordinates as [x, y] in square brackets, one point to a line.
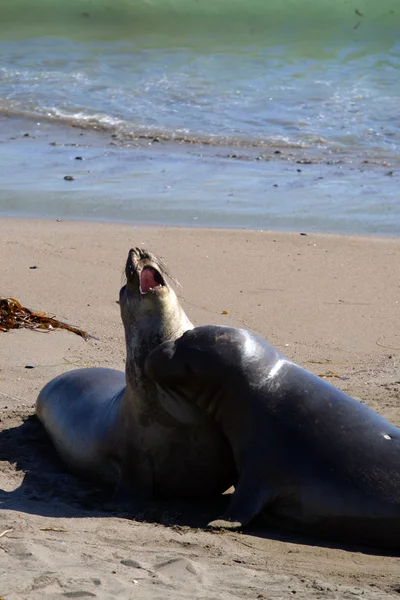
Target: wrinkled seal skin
[309, 457]
[110, 426]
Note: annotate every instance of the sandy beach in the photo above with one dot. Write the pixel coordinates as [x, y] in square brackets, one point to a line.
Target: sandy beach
[329, 302]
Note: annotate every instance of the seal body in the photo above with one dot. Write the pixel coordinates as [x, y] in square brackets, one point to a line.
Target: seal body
[80, 410]
[110, 425]
[309, 457]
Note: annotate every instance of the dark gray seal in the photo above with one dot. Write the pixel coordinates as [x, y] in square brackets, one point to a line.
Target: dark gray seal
[309, 457]
[109, 425]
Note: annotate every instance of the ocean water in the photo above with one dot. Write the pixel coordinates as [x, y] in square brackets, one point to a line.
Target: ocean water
[244, 113]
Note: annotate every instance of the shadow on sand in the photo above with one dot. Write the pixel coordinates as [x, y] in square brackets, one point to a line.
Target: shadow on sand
[49, 489]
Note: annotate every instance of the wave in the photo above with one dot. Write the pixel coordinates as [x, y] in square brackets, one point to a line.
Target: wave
[125, 132]
[122, 132]
[212, 21]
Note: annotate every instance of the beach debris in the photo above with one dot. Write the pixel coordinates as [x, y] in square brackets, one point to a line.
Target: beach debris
[332, 374]
[224, 312]
[5, 532]
[29, 366]
[15, 316]
[79, 594]
[384, 345]
[34, 267]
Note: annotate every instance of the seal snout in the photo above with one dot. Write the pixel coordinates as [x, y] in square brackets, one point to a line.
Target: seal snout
[145, 270]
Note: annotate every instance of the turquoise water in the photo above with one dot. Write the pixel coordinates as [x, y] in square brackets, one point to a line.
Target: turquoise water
[266, 21]
[295, 76]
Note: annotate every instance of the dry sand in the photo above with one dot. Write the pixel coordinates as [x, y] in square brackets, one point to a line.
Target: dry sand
[331, 303]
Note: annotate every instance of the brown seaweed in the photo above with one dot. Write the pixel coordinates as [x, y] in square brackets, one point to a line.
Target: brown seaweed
[15, 316]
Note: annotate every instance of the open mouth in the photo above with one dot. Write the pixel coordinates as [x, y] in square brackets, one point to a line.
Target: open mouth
[150, 280]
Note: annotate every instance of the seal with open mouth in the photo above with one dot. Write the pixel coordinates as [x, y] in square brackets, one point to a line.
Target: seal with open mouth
[110, 425]
[309, 457]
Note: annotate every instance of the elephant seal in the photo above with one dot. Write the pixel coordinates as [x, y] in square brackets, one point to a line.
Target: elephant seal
[309, 457]
[110, 426]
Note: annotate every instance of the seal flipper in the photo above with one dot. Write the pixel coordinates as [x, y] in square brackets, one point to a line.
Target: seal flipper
[249, 498]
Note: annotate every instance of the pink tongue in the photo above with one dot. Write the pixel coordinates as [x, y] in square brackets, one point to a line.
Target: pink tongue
[147, 281]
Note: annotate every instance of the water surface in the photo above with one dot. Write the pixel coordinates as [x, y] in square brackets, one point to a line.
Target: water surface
[210, 79]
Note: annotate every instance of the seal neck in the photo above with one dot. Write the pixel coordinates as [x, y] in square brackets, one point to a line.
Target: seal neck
[142, 336]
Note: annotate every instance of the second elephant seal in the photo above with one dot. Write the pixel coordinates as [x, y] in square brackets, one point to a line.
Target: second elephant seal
[309, 457]
[110, 426]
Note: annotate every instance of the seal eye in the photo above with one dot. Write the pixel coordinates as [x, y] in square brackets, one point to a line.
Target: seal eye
[150, 278]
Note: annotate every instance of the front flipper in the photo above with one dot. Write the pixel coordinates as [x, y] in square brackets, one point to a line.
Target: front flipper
[249, 498]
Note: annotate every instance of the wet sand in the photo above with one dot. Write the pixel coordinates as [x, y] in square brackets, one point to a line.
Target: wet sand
[329, 302]
[57, 170]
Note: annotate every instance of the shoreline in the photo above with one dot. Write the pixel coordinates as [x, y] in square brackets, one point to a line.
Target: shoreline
[330, 303]
[215, 228]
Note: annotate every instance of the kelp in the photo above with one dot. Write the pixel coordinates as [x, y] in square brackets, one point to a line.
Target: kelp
[15, 316]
